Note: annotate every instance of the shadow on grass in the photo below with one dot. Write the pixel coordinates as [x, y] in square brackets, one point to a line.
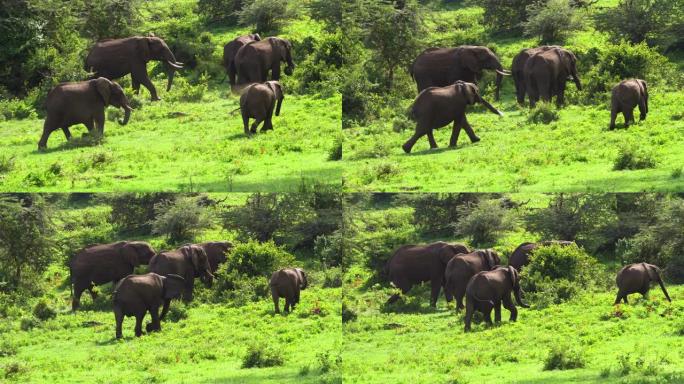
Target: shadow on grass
[75, 142]
[305, 180]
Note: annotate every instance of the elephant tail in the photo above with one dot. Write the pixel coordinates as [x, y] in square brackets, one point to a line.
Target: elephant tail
[234, 111]
[471, 293]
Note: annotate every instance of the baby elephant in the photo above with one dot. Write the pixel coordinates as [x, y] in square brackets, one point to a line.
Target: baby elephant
[82, 103]
[637, 278]
[135, 295]
[487, 290]
[436, 107]
[287, 283]
[257, 102]
[628, 94]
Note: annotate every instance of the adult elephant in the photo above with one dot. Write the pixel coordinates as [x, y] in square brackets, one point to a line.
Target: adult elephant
[626, 95]
[254, 60]
[546, 73]
[189, 262]
[217, 252]
[415, 264]
[116, 58]
[461, 268]
[231, 49]
[440, 67]
[103, 263]
[436, 107]
[135, 295]
[518, 69]
[258, 101]
[638, 277]
[488, 290]
[521, 255]
[287, 283]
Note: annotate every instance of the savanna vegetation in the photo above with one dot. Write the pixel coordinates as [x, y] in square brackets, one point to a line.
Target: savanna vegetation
[545, 149]
[571, 333]
[190, 141]
[228, 333]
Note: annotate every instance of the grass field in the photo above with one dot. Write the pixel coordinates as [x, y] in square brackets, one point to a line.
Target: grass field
[576, 152]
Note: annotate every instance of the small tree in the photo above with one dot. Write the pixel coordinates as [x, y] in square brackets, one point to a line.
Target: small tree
[133, 213]
[551, 21]
[224, 11]
[484, 222]
[107, 19]
[264, 15]
[505, 15]
[637, 21]
[179, 220]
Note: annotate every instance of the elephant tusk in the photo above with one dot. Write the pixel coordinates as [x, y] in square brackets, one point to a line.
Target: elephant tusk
[175, 65]
[503, 73]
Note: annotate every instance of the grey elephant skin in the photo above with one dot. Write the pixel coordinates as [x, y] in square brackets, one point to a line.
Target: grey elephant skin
[414, 264]
[229, 52]
[258, 101]
[135, 295]
[520, 257]
[440, 67]
[83, 102]
[489, 290]
[546, 74]
[217, 252]
[254, 60]
[188, 262]
[287, 283]
[627, 95]
[461, 268]
[518, 69]
[437, 107]
[115, 58]
[104, 263]
[637, 278]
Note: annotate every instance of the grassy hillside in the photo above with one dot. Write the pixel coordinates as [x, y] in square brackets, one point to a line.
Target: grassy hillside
[576, 152]
[189, 141]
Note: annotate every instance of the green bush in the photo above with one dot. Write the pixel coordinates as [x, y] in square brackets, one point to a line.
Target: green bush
[484, 222]
[184, 91]
[6, 163]
[238, 289]
[179, 220]
[7, 349]
[563, 357]
[43, 311]
[177, 312]
[16, 109]
[260, 355]
[258, 259]
[632, 157]
[28, 323]
[264, 15]
[505, 15]
[551, 21]
[335, 151]
[13, 369]
[332, 277]
[223, 11]
[348, 314]
[133, 213]
[109, 19]
[543, 113]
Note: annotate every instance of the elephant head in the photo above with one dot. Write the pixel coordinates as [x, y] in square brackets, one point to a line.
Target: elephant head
[569, 62]
[278, 92]
[112, 94]
[515, 282]
[490, 258]
[255, 37]
[654, 275]
[303, 282]
[284, 48]
[136, 252]
[471, 95]
[154, 48]
[477, 58]
[172, 286]
[200, 263]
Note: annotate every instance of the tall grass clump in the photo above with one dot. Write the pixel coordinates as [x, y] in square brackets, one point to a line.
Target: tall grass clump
[562, 358]
[260, 355]
[631, 157]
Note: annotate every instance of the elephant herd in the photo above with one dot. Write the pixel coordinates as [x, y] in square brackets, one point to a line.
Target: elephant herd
[247, 60]
[447, 83]
[171, 275]
[477, 276]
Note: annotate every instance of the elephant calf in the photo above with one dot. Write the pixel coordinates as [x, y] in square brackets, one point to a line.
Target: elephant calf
[136, 295]
[257, 102]
[287, 283]
[462, 267]
[82, 103]
[625, 96]
[487, 290]
[637, 278]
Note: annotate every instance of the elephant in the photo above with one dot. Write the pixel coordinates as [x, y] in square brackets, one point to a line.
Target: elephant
[254, 60]
[637, 277]
[546, 73]
[441, 67]
[436, 107]
[461, 268]
[115, 58]
[231, 49]
[135, 295]
[82, 102]
[413, 264]
[520, 256]
[626, 95]
[258, 101]
[287, 283]
[518, 69]
[189, 262]
[216, 252]
[488, 289]
[101, 263]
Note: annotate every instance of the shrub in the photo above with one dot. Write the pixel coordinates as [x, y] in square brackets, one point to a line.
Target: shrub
[187, 92]
[641, 20]
[329, 249]
[223, 11]
[16, 109]
[13, 369]
[43, 311]
[258, 259]
[133, 213]
[484, 222]
[348, 314]
[332, 277]
[7, 349]
[180, 219]
[375, 150]
[551, 21]
[435, 213]
[177, 312]
[264, 15]
[6, 163]
[633, 157]
[563, 357]
[543, 113]
[261, 356]
[335, 152]
[239, 289]
[505, 15]
[28, 323]
[108, 19]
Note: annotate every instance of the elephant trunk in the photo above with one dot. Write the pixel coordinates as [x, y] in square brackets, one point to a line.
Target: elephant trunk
[171, 73]
[518, 299]
[172, 66]
[280, 102]
[490, 107]
[662, 286]
[499, 79]
[207, 279]
[127, 114]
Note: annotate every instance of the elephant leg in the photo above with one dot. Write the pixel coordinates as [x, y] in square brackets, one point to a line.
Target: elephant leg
[275, 71]
[487, 314]
[140, 75]
[434, 295]
[393, 298]
[560, 94]
[614, 110]
[99, 119]
[76, 300]
[189, 288]
[408, 145]
[154, 325]
[255, 125]
[643, 109]
[245, 122]
[50, 125]
[508, 304]
[67, 132]
[431, 139]
[619, 297]
[497, 311]
[470, 309]
[118, 318]
[287, 305]
[455, 132]
[469, 130]
[276, 300]
[165, 309]
[629, 117]
[93, 294]
[136, 85]
[268, 125]
[138, 324]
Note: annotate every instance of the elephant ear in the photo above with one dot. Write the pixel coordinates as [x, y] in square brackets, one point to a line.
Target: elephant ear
[468, 59]
[469, 93]
[490, 259]
[303, 283]
[514, 276]
[644, 86]
[652, 271]
[144, 49]
[130, 254]
[173, 286]
[284, 47]
[104, 88]
[566, 58]
[277, 89]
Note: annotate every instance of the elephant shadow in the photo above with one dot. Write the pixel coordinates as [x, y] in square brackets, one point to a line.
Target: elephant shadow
[73, 143]
[236, 136]
[434, 151]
